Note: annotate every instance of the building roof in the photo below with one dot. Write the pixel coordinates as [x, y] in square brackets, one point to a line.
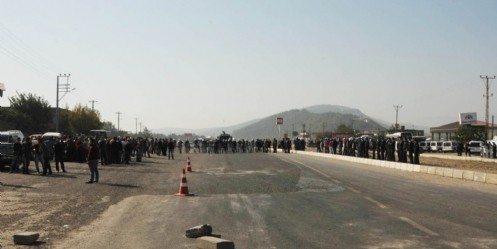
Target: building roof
[455, 126]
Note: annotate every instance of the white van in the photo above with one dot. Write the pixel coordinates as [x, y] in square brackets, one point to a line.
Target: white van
[424, 146]
[11, 136]
[475, 147]
[449, 146]
[436, 146]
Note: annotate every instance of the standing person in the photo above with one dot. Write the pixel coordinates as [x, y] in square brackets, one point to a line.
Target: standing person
[416, 152]
[410, 150]
[128, 150]
[494, 150]
[92, 159]
[38, 154]
[60, 154]
[170, 149]
[26, 155]
[14, 167]
[466, 149]
[102, 145]
[47, 153]
[275, 145]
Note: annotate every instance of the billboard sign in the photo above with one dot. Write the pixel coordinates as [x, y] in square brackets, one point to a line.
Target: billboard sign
[279, 121]
[467, 118]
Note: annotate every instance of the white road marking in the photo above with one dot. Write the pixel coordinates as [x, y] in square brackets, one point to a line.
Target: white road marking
[311, 168]
[418, 226]
[354, 190]
[379, 204]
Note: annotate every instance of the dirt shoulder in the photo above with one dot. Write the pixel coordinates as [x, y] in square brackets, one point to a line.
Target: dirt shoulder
[474, 163]
[58, 204]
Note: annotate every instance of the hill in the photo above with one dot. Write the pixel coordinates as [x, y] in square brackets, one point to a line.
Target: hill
[317, 118]
[312, 119]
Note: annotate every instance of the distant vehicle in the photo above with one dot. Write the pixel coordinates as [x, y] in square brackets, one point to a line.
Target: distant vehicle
[100, 133]
[224, 137]
[449, 146]
[7, 140]
[475, 147]
[407, 135]
[424, 146]
[419, 138]
[435, 146]
[16, 134]
[51, 136]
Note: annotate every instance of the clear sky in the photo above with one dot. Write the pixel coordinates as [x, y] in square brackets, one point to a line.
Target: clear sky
[201, 64]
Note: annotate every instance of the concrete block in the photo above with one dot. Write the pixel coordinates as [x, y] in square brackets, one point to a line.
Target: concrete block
[448, 172]
[468, 175]
[432, 170]
[208, 242]
[457, 173]
[423, 169]
[199, 231]
[396, 165]
[416, 168]
[480, 177]
[409, 167]
[439, 171]
[491, 178]
[26, 238]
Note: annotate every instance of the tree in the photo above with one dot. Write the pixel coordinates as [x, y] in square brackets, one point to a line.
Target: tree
[29, 113]
[466, 133]
[343, 129]
[146, 132]
[83, 119]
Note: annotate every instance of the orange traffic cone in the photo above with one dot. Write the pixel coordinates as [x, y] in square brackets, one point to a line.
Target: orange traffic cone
[188, 165]
[183, 186]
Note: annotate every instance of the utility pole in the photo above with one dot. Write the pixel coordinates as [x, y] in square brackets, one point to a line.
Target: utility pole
[65, 88]
[397, 107]
[93, 104]
[118, 120]
[303, 130]
[136, 126]
[310, 131]
[487, 95]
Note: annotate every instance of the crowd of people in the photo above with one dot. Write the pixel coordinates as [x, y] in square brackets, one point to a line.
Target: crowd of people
[117, 150]
[391, 149]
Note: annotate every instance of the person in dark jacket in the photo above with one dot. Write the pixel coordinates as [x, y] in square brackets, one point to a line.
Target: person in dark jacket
[26, 155]
[170, 149]
[92, 159]
[16, 161]
[60, 154]
[47, 152]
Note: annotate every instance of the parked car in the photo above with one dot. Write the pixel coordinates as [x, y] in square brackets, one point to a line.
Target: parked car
[449, 146]
[435, 146]
[51, 136]
[475, 147]
[7, 140]
[424, 146]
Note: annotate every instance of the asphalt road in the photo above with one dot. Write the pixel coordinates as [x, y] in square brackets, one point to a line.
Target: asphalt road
[286, 201]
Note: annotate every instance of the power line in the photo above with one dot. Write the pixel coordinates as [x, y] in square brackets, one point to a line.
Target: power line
[19, 51]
